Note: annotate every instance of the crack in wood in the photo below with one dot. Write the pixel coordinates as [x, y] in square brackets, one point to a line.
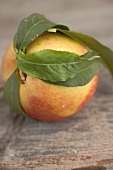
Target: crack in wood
[91, 168]
[105, 162]
[100, 165]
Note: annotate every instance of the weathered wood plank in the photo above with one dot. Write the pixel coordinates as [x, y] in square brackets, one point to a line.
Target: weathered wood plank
[85, 139]
[83, 142]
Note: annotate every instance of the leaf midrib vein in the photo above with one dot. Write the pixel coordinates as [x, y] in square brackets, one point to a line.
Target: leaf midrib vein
[30, 30]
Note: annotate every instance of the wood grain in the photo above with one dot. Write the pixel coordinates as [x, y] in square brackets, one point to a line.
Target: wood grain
[82, 142]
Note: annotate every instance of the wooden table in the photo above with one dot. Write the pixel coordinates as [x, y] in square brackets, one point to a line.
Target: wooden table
[83, 142]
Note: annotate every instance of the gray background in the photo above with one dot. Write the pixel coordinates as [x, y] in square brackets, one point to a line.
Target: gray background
[91, 17]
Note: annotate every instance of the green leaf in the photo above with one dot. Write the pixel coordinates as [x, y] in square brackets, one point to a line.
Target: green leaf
[82, 78]
[63, 27]
[11, 93]
[54, 65]
[104, 52]
[29, 28]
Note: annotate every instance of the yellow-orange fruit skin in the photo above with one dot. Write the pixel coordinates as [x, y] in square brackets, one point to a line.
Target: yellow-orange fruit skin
[43, 101]
[56, 41]
[8, 63]
[47, 102]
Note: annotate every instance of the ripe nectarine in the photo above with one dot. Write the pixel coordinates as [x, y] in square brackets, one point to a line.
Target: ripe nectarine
[44, 101]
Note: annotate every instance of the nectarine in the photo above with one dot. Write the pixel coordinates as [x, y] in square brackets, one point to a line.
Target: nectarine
[44, 101]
